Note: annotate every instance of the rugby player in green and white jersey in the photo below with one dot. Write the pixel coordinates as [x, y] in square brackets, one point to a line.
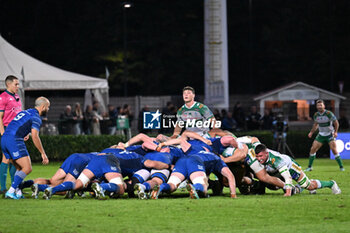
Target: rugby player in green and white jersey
[232, 155]
[290, 170]
[324, 121]
[193, 111]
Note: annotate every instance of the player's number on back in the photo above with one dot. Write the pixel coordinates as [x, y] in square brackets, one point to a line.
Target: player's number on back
[19, 116]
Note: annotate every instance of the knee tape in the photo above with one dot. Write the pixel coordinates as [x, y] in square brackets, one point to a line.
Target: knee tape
[200, 180]
[84, 179]
[305, 182]
[174, 180]
[117, 181]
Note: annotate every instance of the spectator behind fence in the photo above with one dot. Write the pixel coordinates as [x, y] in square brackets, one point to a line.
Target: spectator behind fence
[126, 111]
[266, 120]
[253, 119]
[87, 122]
[238, 115]
[112, 122]
[228, 122]
[140, 120]
[67, 120]
[78, 116]
[96, 118]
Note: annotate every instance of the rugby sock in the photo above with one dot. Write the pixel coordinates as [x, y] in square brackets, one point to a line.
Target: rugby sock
[111, 187]
[19, 177]
[11, 190]
[68, 185]
[18, 192]
[311, 159]
[42, 187]
[324, 184]
[26, 184]
[339, 161]
[147, 186]
[165, 187]
[199, 187]
[3, 175]
[12, 170]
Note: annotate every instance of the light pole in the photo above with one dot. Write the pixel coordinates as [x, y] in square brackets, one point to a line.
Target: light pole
[125, 6]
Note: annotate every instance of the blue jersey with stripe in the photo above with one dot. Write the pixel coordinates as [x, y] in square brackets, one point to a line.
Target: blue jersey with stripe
[212, 162]
[130, 162]
[23, 123]
[197, 146]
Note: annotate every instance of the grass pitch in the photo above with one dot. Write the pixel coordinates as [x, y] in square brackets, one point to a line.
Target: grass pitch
[323, 212]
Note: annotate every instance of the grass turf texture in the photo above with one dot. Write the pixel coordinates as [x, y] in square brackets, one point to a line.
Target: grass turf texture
[323, 212]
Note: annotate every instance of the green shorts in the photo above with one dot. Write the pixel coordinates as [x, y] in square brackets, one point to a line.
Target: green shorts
[324, 139]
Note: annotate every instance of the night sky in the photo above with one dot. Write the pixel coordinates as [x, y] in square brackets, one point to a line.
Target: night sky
[280, 42]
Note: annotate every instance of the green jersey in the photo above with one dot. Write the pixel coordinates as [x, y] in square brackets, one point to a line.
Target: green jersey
[192, 115]
[325, 122]
[250, 158]
[277, 161]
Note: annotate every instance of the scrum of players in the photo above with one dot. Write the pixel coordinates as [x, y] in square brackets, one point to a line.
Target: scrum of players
[155, 167]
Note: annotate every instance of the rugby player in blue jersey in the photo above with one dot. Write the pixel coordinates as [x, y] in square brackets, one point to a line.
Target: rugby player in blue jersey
[154, 165]
[65, 176]
[100, 166]
[196, 166]
[12, 143]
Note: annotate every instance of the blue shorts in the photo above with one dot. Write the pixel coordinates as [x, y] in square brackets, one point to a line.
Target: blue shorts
[103, 164]
[13, 148]
[187, 165]
[159, 156]
[75, 164]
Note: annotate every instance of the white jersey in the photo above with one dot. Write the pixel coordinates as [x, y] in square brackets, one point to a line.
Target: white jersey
[325, 122]
[197, 112]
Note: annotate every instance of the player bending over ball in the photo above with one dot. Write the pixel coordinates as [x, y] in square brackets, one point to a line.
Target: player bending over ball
[290, 170]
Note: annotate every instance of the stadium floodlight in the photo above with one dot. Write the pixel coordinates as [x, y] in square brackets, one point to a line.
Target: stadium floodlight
[127, 4]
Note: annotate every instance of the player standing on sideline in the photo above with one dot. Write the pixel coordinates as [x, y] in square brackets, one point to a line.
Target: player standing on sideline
[12, 143]
[10, 105]
[324, 121]
[193, 110]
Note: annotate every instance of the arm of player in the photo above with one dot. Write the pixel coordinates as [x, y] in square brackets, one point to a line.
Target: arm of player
[177, 131]
[185, 146]
[217, 132]
[336, 127]
[188, 134]
[138, 138]
[284, 171]
[162, 138]
[156, 164]
[225, 171]
[264, 177]
[2, 128]
[238, 155]
[313, 129]
[39, 146]
[230, 141]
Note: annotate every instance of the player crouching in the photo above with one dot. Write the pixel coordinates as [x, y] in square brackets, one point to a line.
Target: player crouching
[289, 170]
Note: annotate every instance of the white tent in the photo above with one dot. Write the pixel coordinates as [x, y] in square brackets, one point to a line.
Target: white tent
[36, 75]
